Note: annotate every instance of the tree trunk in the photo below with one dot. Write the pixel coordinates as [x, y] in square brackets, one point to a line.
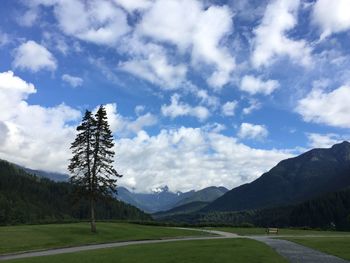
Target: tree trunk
[93, 222]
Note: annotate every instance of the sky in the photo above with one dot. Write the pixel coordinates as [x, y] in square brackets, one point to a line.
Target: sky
[198, 93]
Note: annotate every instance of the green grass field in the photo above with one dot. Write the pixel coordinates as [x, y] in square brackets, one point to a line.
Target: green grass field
[337, 246]
[281, 231]
[32, 237]
[211, 251]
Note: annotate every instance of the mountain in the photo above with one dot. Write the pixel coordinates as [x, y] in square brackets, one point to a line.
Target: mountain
[57, 177]
[162, 199]
[206, 195]
[312, 174]
[26, 198]
[330, 211]
[159, 200]
[180, 210]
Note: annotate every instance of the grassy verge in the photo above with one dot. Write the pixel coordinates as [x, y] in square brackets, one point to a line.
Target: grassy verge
[31, 237]
[211, 251]
[246, 231]
[337, 246]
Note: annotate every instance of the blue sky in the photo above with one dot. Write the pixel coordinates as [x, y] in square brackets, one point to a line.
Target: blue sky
[198, 93]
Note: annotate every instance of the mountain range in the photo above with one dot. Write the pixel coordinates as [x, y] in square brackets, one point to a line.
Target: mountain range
[312, 189]
[159, 200]
[314, 173]
[163, 199]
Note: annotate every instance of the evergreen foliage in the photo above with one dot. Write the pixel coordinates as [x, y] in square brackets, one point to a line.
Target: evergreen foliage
[92, 163]
[330, 211]
[25, 198]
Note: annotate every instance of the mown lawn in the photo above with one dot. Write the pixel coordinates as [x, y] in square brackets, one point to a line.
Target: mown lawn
[337, 246]
[203, 251]
[245, 231]
[32, 237]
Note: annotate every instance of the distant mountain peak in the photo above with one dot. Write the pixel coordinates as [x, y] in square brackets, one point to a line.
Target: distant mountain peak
[161, 189]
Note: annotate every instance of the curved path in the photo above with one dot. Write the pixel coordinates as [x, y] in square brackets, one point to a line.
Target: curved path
[56, 251]
[293, 252]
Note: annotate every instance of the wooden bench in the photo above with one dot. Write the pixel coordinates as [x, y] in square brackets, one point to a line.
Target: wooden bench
[272, 230]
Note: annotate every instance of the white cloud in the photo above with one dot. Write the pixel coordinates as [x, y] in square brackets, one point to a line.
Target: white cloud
[214, 24]
[317, 140]
[228, 109]
[123, 126]
[253, 105]
[39, 137]
[181, 156]
[139, 109]
[4, 39]
[72, 80]
[177, 109]
[134, 5]
[331, 108]
[254, 85]
[36, 136]
[97, 21]
[34, 57]
[28, 18]
[192, 28]
[252, 131]
[156, 69]
[271, 40]
[203, 95]
[331, 16]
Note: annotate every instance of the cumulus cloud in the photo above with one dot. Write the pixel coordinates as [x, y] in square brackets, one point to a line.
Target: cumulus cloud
[252, 131]
[37, 137]
[72, 80]
[331, 108]
[271, 40]
[192, 28]
[228, 109]
[156, 68]
[317, 140]
[253, 105]
[177, 108]
[4, 39]
[331, 16]
[211, 101]
[97, 21]
[134, 5]
[124, 126]
[139, 109]
[34, 57]
[179, 157]
[28, 18]
[3, 133]
[254, 85]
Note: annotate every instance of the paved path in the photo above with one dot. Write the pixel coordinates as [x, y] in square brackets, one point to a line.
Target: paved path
[49, 252]
[296, 253]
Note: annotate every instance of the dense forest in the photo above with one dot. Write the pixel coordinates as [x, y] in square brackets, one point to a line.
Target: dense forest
[330, 211]
[26, 198]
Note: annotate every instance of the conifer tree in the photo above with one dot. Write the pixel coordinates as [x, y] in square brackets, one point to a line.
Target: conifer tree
[92, 162]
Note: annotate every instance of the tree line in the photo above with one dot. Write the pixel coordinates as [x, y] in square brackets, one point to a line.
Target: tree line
[29, 199]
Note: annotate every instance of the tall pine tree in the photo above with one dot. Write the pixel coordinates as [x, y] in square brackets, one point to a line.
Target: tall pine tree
[92, 162]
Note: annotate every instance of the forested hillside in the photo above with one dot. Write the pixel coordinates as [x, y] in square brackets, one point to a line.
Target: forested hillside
[25, 198]
[330, 211]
